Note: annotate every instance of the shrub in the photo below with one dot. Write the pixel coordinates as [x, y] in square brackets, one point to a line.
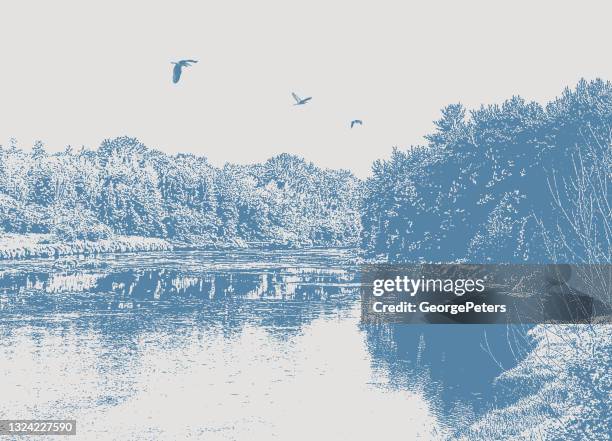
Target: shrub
[17, 217]
[78, 224]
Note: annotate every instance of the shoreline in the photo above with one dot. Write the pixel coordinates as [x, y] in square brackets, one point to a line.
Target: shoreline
[31, 246]
[34, 246]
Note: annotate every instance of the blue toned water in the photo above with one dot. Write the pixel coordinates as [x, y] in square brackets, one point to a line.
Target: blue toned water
[227, 345]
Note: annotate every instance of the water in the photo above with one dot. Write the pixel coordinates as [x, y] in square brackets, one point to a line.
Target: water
[219, 345]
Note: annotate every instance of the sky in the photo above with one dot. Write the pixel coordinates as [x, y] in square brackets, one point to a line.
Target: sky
[75, 73]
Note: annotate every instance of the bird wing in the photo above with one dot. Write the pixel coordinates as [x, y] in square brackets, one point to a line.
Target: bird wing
[295, 97]
[176, 73]
[306, 99]
[191, 61]
[352, 124]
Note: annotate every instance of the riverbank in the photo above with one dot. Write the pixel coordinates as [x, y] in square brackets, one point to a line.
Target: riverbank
[554, 400]
[33, 245]
[26, 246]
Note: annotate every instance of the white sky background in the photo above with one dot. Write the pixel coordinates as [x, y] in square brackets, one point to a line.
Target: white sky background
[75, 72]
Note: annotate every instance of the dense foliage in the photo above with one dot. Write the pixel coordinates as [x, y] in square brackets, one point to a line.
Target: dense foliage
[126, 188]
[511, 182]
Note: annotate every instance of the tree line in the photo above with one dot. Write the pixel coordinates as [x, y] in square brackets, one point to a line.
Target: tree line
[516, 182]
[125, 188]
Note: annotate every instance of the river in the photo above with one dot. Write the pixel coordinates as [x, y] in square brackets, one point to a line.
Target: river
[229, 345]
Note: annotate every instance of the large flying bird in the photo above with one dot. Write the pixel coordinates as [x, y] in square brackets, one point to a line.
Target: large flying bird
[178, 69]
[300, 101]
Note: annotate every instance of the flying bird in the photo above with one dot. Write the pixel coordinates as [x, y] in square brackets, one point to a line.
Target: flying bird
[178, 69]
[300, 101]
[356, 121]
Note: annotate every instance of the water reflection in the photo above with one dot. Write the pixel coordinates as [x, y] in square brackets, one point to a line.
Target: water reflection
[455, 366]
[179, 281]
[221, 346]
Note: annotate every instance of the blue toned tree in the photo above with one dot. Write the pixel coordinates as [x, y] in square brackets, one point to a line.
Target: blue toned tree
[129, 201]
[480, 189]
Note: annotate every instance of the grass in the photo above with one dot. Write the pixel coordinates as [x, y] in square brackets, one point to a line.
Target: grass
[24, 246]
[563, 389]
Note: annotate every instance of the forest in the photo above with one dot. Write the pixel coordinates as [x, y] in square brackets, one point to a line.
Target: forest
[511, 182]
[125, 188]
[516, 182]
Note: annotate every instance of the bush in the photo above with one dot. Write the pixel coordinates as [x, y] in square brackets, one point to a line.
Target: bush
[17, 217]
[79, 224]
[187, 224]
[561, 389]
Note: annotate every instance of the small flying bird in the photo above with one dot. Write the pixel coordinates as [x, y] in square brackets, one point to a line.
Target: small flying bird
[356, 121]
[178, 69]
[300, 101]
